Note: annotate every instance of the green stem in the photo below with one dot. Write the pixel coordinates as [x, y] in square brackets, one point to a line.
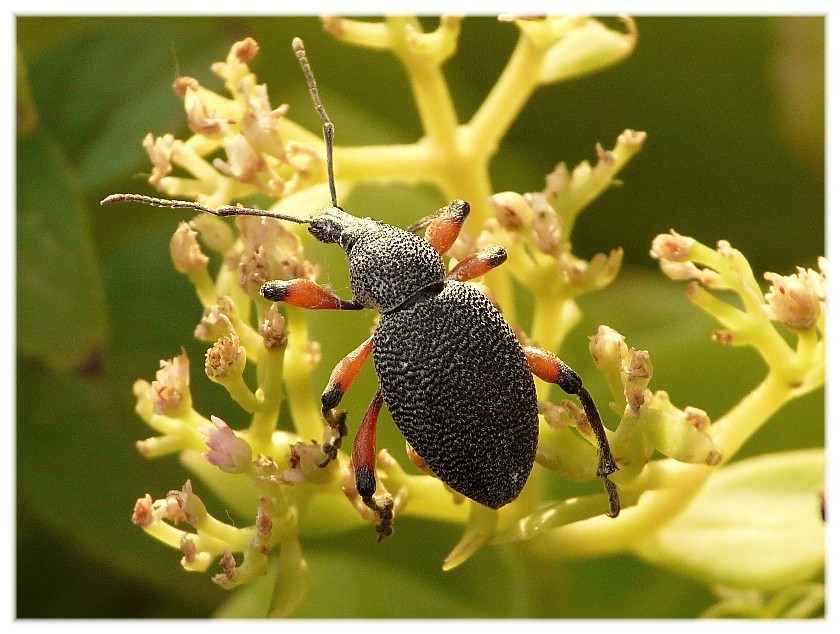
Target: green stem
[507, 98]
[431, 94]
[602, 535]
[265, 418]
[410, 164]
[732, 430]
[302, 401]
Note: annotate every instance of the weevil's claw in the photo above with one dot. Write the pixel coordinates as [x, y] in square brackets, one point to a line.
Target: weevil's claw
[612, 495]
[336, 419]
[606, 467]
[384, 513]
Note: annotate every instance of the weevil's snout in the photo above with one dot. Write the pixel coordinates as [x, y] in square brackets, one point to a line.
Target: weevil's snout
[330, 224]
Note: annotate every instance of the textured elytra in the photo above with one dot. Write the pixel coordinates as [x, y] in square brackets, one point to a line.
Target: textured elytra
[458, 386]
[388, 265]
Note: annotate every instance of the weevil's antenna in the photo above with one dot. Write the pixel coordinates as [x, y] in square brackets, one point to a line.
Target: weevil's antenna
[329, 128]
[224, 210]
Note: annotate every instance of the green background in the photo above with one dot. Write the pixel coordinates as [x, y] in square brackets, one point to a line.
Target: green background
[734, 112]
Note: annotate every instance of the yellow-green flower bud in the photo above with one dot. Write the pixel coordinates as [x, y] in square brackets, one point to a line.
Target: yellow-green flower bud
[607, 348]
[215, 232]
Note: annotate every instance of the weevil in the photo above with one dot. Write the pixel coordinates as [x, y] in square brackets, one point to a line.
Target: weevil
[451, 371]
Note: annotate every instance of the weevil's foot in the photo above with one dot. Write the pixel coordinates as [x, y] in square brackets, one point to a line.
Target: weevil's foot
[336, 419]
[612, 496]
[331, 450]
[384, 513]
[607, 465]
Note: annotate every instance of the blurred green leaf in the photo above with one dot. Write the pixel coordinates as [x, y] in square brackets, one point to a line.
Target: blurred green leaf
[27, 116]
[78, 470]
[131, 82]
[60, 300]
[756, 524]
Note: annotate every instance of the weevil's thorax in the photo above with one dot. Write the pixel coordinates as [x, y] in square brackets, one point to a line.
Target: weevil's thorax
[388, 265]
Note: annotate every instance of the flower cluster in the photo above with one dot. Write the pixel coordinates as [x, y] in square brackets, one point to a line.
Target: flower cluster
[264, 152]
[263, 355]
[797, 302]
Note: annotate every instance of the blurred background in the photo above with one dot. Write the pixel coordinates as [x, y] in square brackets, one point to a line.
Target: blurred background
[734, 111]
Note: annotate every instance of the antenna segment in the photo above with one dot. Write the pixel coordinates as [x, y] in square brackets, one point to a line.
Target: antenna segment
[329, 128]
[223, 211]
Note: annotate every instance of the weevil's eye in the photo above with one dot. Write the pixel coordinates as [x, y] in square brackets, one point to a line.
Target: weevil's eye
[346, 241]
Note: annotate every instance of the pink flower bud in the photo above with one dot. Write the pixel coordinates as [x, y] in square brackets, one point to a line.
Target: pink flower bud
[228, 452]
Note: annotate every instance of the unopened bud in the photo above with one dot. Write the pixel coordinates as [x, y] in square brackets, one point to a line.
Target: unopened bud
[225, 359]
[512, 210]
[226, 451]
[185, 251]
[671, 247]
[215, 232]
[607, 347]
[273, 329]
[794, 300]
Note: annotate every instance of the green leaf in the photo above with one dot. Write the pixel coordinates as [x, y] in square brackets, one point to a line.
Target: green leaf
[119, 92]
[27, 115]
[60, 301]
[756, 524]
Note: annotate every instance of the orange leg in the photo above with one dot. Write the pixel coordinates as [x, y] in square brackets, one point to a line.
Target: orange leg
[364, 450]
[306, 294]
[443, 226]
[364, 467]
[342, 377]
[552, 370]
[345, 372]
[477, 264]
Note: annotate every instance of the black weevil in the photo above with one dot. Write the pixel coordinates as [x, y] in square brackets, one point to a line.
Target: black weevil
[451, 371]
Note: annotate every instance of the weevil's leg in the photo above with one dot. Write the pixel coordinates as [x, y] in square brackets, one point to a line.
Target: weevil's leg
[306, 294]
[477, 264]
[443, 226]
[364, 468]
[342, 377]
[552, 370]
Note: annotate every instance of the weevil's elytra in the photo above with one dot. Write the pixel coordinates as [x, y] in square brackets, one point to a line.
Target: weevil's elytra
[451, 371]
[457, 384]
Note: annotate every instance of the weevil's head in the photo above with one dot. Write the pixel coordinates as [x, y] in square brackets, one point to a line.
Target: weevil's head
[388, 265]
[331, 224]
